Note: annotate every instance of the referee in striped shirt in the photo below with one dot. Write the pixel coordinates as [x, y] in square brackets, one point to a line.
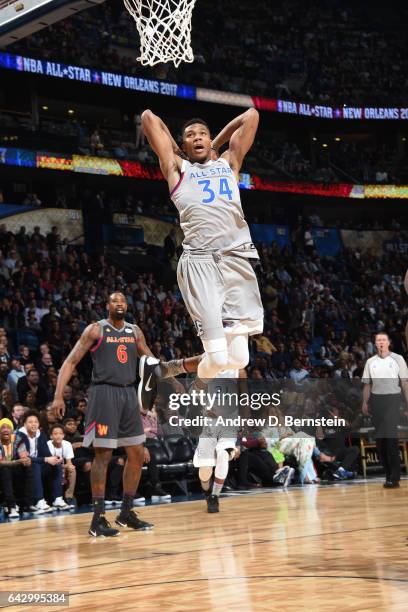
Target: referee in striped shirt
[384, 376]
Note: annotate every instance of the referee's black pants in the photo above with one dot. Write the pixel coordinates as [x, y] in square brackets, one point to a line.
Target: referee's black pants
[384, 411]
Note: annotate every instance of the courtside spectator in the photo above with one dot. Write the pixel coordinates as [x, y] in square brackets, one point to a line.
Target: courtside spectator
[16, 472]
[47, 469]
[63, 449]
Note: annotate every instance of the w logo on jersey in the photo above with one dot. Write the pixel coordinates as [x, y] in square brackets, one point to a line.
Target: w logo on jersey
[101, 429]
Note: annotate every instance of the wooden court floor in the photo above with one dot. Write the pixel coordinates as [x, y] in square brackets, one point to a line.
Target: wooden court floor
[330, 548]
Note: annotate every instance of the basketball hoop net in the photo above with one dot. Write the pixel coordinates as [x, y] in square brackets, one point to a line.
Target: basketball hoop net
[164, 27]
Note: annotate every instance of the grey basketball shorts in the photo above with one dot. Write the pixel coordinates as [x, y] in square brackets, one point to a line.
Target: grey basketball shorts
[221, 294]
[212, 440]
[113, 417]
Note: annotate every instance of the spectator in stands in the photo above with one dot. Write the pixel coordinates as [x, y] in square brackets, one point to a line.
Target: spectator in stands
[44, 364]
[4, 355]
[69, 401]
[298, 373]
[46, 467]
[31, 382]
[151, 425]
[31, 401]
[71, 432]
[12, 260]
[24, 355]
[264, 346]
[48, 419]
[79, 419]
[6, 405]
[16, 372]
[16, 472]
[82, 405]
[16, 415]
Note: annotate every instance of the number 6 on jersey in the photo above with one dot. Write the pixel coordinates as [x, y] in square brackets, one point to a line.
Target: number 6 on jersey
[121, 353]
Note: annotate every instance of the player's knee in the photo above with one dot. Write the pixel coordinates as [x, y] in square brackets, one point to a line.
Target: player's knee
[135, 454]
[102, 458]
[238, 359]
[212, 363]
[205, 473]
[221, 466]
[219, 359]
[235, 363]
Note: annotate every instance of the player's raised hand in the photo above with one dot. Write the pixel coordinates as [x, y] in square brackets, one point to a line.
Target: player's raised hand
[59, 407]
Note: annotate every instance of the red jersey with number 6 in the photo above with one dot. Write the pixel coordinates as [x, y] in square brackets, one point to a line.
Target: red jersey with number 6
[114, 356]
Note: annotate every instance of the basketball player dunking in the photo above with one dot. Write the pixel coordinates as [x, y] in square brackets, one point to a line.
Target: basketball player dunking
[113, 416]
[217, 281]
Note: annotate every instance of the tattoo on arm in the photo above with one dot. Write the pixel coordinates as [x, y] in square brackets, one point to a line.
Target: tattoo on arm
[141, 346]
[168, 369]
[84, 343]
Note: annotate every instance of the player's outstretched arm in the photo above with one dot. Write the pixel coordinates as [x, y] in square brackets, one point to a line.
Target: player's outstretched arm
[164, 145]
[240, 133]
[88, 338]
[167, 369]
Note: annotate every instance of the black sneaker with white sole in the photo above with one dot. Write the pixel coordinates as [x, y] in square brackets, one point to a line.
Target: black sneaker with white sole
[147, 388]
[130, 519]
[100, 526]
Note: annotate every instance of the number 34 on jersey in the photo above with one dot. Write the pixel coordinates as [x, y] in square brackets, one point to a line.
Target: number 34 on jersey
[213, 188]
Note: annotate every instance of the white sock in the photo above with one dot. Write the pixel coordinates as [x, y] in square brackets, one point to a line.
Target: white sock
[217, 488]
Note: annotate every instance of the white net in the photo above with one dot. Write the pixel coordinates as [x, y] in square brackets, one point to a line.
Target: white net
[164, 27]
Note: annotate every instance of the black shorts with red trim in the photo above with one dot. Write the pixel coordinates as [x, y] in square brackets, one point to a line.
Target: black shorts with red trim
[113, 417]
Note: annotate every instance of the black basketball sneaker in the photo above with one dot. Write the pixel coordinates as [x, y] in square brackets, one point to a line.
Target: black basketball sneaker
[212, 504]
[100, 526]
[130, 519]
[147, 389]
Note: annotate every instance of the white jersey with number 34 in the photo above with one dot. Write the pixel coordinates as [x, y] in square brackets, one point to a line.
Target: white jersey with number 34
[209, 203]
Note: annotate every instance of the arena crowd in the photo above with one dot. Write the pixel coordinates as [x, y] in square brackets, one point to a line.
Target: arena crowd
[321, 317]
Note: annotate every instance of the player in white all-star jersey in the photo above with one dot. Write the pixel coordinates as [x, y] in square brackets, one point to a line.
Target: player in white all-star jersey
[215, 277]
